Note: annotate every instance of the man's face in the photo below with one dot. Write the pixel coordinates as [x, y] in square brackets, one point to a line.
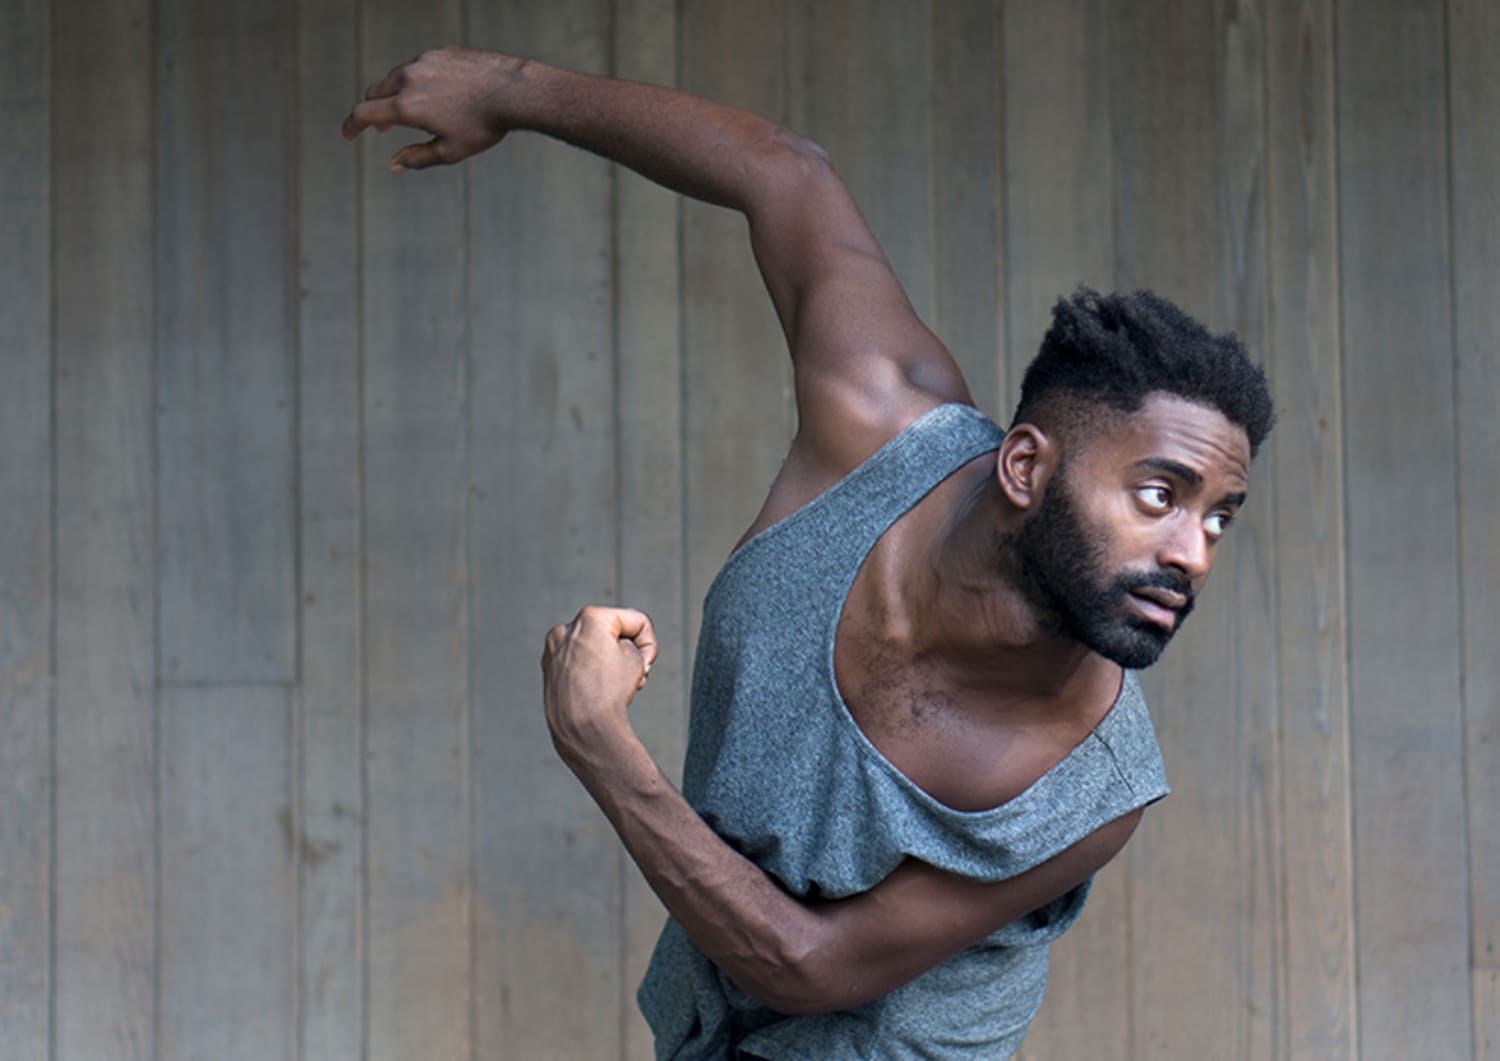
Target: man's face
[1124, 536]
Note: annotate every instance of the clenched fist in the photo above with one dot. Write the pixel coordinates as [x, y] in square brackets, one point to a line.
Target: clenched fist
[592, 668]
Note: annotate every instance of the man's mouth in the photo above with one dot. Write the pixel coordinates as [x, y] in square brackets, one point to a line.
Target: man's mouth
[1167, 598]
[1158, 605]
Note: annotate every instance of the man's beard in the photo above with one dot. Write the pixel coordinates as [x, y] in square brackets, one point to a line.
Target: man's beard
[1060, 565]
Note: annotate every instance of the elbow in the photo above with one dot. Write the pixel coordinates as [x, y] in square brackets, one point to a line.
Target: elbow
[793, 164]
[802, 150]
[803, 980]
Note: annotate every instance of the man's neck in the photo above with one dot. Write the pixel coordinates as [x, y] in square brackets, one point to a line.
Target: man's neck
[967, 608]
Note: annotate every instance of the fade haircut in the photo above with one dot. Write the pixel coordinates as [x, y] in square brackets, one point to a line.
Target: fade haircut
[1104, 354]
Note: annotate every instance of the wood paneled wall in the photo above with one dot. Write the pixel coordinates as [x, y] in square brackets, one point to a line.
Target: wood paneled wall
[299, 459]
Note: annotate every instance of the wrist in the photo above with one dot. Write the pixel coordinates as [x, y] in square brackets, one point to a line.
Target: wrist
[526, 94]
[587, 741]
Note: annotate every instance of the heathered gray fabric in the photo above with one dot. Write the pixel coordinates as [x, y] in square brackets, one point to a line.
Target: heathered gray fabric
[778, 767]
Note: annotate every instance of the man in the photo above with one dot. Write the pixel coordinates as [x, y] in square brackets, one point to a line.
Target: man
[915, 733]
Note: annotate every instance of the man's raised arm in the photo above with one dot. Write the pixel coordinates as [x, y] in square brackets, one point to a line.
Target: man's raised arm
[864, 363]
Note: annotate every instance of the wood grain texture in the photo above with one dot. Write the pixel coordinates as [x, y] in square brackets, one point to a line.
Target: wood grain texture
[737, 378]
[415, 630]
[547, 867]
[105, 881]
[859, 84]
[1249, 560]
[1406, 718]
[1486, 1014]
[1058, 166]
[963, 169]
[350, 363]
[26, 280]
[1307, 459]
[327, 826]
[1474, 95]
[1058, 234]
[648, 400]
[228, 872]
[226, 387]
[1171, 234]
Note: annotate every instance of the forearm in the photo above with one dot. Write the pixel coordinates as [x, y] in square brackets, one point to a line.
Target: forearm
[746, 925]
[707, 150]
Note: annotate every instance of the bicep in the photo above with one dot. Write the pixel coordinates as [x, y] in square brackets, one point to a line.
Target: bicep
[865, 364]
[919, 916]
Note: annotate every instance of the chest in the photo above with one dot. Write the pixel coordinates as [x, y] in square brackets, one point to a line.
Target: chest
[969, 748]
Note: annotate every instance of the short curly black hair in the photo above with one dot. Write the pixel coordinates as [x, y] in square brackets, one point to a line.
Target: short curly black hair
[1107, 353]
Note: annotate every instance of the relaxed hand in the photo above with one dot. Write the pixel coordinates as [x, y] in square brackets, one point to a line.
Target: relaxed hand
[451, 93]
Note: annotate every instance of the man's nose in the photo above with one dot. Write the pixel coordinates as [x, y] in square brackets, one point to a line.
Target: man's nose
[1189, 550]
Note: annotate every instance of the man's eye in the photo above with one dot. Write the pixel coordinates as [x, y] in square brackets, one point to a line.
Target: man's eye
[1217, 523]
[1156, 498]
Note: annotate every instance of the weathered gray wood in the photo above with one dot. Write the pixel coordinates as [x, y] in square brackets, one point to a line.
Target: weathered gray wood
[1059, 234]
[543, 521]
[1486, 1014]
[737, 380]
[1421, 605]
[1307, 457]
[648, 398]
[1171, 234]
[1406, 723]
[416, 606]
[105, 880]
[228, 873]
[328, 821]
[1249, 558]
[858, 83]
[1058, 166]
[967, 304]
[224, 252]
[26, 531]
[1474, 94]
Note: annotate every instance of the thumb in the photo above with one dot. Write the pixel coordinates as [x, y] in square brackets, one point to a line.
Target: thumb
[635, 626]
[420, 156]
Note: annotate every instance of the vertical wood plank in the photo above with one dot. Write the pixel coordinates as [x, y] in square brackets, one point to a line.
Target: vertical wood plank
[1058, 234]
[1172, 233]
[860, 85]
[105, 882]
[1308, 457]
[26, 530]
[964, 115]
[737, 376]
[544, 543]
[326, 830]
[1248, 567]
[1474, 94]
[1058, 166]
[1486, 1014]
[228, 914]
[648, 343]
[1407, 732]
[415, 629]
[224, 255]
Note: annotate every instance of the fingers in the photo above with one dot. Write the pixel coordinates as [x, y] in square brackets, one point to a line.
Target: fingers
[635, 626]
[380, 113]
[390, 84]
[616, 624]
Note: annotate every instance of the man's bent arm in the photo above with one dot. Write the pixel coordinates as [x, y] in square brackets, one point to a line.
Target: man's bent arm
[864, 362]
[793, 956]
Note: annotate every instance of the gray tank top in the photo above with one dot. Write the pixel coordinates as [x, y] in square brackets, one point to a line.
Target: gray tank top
[779, 768]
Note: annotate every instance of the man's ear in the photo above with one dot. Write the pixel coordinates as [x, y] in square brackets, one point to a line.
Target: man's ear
[1028, 458]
